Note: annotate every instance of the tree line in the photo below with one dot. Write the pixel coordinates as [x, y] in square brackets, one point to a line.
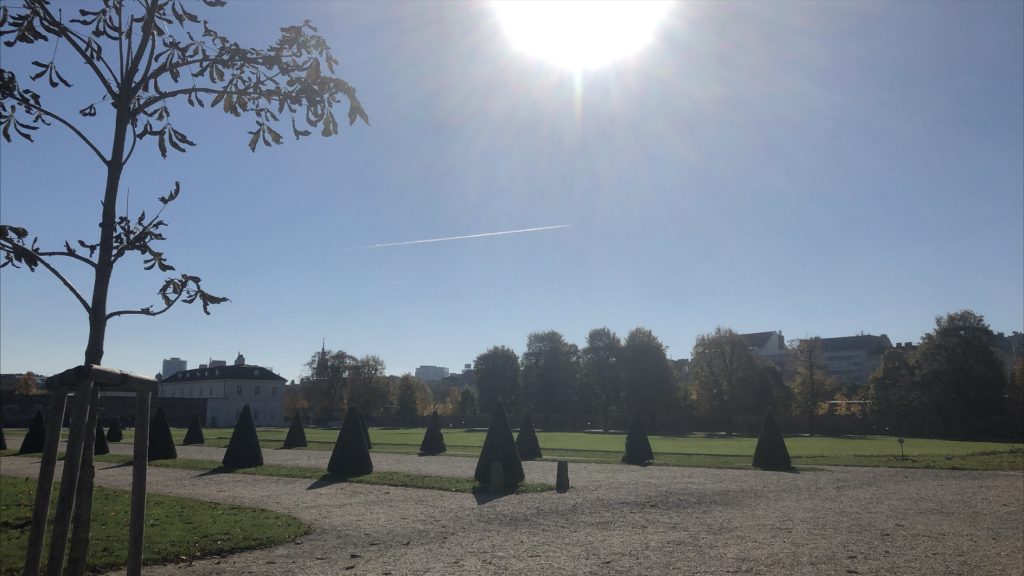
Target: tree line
[954, 384]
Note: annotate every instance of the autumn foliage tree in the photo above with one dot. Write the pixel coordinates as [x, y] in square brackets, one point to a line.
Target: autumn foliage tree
[146, 61]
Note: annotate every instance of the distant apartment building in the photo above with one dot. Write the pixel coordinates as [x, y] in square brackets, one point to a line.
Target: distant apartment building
[767, 345]
[173, 365]
[431, 373]
[228, 389]
[852, 359]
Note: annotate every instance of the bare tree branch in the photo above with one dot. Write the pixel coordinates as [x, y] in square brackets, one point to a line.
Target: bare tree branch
[78, 257]
[147, 311]
[28, 104]
[75, 39]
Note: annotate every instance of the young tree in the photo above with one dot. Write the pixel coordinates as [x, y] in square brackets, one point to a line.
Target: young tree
[147, 59]
[497, 378]
[549, 370]
[812, 386]
[962, 375]
[601, 380]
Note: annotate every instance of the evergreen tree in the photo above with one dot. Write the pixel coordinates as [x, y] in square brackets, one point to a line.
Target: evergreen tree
[35, 437]
[638, 447]
[194, 435]
[296, 437]
[526, 441]
[100, 446]
[244, 447]
[3, 439]
[351, 455]
[161, 444]
[771, 452]
[114, 433]
[433, 439]
[366, 429]
[500, 446]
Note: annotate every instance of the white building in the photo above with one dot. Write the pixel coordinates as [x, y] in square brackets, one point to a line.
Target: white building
[229, 389]
[431, 373]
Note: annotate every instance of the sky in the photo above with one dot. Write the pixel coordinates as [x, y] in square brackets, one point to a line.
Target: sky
[815, 168]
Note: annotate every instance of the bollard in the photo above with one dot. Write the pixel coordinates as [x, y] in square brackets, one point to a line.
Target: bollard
[562, 477]
[497, 478]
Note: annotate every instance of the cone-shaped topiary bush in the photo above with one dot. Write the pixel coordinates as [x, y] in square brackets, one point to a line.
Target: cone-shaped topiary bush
[366, 430]
[100, 445]
[499, 446]
[161, 445]
[351, 455]
[771, 452]
[194, 435]
[526, 441]
[114, 433]
[3, 439]
[296, 437]
[244, 447]
[35, 437]
[638, 447]
[433, 439]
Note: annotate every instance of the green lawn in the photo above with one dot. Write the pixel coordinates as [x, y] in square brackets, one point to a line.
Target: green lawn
[177, 529]
[693, 450]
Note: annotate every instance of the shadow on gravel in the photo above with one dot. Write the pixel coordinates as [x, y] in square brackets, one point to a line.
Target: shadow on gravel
[483, 495]
[324, 481]
[114, 466]
[217, 470]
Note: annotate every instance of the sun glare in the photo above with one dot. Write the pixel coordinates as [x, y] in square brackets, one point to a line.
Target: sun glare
[577, 34]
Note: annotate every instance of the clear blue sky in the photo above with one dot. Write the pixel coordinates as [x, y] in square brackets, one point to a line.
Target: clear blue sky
[816, 168]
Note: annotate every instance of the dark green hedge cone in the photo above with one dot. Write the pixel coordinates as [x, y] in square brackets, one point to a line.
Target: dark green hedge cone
[526, 441]
[366, 430]
[771, 452]
[3, 439]
[433, 439]
[114, 433]
[35, 437]
[194, 435]
[351, 455]
[296, 437]
[638, 447]
[161, 445]
[244, 447]
[100, 446]
[500, 446]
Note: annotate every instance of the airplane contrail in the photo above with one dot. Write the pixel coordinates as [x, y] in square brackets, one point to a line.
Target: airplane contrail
[482, 235]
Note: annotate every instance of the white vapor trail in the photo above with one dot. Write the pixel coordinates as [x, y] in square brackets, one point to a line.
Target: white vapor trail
[482, 235]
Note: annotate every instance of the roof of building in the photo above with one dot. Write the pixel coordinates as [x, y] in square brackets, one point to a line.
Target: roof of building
[243, 372]
[757, 339]
[867, 343]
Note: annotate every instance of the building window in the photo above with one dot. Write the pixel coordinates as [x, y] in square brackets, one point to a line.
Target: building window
[238, 391]
[273, 390]
[257, 391]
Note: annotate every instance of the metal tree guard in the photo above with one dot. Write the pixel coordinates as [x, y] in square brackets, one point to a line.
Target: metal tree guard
[82, 380]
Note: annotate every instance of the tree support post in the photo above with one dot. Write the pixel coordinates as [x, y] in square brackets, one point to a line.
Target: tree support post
[140, 461]
[44, 484]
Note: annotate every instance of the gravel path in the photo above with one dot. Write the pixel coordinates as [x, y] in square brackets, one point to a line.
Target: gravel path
[618, 520]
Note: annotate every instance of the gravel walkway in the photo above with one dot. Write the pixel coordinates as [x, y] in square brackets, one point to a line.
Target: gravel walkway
[618, 520]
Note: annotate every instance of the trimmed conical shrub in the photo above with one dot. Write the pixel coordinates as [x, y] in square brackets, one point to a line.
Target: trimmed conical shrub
[433, 439]
[100, 444]
[638, 447]
[35, 437]
[244, 447]
[296, 437]
[771, 452]
[3, 439]
[526, 441]
[194, 435]
[351, 455]
[161, 445]
[366, 430]
[499, 446]
[114, 433]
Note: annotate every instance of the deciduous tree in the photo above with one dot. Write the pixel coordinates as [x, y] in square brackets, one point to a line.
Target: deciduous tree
[812, 386]
[723, 376]
[549, 371]
[497, 378]
[648, 383]
[601, 381]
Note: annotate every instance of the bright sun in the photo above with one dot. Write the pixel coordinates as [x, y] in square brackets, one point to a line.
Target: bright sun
[577, 34]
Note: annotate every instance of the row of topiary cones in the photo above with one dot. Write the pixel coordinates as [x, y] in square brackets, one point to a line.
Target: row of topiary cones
[351, 456]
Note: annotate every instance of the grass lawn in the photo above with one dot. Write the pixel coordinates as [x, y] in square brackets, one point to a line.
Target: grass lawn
[177, 529]
[694, 450]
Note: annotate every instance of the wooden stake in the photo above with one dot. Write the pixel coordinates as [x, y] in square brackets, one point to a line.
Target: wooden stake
[44, 485]
[69, 479]
[140, 461]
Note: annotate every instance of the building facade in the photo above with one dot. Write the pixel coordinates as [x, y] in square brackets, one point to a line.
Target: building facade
[767, 345]
[852, 359]
[173, 365]
[228, 389]
[431, 373]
